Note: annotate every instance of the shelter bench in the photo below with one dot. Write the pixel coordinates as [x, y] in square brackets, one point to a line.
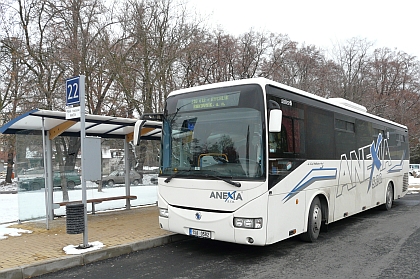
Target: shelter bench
[95, 201]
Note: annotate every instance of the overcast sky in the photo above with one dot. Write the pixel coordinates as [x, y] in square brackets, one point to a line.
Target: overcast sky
[323, 23]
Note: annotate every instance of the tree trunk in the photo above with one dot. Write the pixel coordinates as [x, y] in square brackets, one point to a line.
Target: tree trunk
[9, 167]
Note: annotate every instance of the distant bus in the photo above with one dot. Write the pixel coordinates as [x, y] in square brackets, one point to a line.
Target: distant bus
[256, 162]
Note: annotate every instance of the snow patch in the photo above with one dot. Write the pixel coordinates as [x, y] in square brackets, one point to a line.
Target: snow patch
[5, 232]
[77, 250]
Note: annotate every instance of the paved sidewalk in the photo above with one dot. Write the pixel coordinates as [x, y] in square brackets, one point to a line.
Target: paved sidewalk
[41, 251]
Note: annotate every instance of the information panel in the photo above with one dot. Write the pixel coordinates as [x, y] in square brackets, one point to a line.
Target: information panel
[209, 101]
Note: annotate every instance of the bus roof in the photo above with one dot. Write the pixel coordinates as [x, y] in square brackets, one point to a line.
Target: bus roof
[337, 102]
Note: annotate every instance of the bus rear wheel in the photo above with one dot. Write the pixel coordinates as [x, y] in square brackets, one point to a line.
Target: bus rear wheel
[389, 197]
[314, 222]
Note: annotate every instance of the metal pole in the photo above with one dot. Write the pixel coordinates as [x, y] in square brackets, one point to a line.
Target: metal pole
[127, 173]
[49, 167]
[47, 207]
[82, 140]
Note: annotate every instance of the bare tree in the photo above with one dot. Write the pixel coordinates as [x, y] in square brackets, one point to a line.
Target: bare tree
[156, 32]
[353, 60]
[208, 57]
[275, 61]
[134, 52]
[392, 75]
[252, 47]
[13, 89]
[396, 90]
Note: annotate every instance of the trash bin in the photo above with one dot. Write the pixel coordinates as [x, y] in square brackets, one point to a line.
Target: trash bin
[75, 223]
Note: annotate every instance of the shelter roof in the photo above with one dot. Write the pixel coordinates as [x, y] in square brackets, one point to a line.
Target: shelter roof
[95, 125]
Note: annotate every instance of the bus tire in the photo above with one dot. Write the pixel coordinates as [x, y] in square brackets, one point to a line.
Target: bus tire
[314, 222]
[389, 197]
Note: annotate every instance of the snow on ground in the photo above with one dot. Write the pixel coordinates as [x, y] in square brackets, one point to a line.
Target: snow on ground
[5, 232]
[413, 185]
[8, 187]
[76, 249]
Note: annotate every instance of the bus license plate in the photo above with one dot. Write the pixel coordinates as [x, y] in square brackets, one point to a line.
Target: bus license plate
[200, 233]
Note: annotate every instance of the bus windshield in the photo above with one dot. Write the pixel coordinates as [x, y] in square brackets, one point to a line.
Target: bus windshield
[215, 133]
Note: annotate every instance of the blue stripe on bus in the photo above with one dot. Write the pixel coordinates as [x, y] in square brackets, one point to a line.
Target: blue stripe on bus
[398, 167]
[313, 176]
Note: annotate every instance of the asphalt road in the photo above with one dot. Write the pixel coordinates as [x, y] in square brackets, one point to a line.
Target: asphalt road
[373, 244]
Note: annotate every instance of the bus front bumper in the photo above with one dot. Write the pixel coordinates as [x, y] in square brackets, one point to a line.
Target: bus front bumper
[210, 225]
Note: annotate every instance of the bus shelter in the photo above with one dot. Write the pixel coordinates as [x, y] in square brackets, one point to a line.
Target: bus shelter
[40, 129]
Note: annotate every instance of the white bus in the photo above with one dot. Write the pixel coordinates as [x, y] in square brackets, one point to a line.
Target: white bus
[255, 161]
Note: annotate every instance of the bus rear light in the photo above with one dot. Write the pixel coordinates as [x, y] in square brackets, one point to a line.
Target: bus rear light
[163, 212]
[248, 223]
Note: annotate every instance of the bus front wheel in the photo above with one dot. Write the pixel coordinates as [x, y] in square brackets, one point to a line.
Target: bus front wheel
[314, 222]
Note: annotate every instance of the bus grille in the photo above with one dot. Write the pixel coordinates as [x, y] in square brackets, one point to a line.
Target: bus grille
[405, 182]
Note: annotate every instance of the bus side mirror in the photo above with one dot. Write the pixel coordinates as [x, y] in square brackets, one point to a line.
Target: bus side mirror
[275, 121]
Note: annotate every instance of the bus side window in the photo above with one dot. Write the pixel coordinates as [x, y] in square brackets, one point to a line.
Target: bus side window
[278, 142]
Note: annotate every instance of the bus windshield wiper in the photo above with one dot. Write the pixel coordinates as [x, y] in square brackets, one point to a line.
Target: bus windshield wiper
[176, 174]
[229, 181]
[236, 184]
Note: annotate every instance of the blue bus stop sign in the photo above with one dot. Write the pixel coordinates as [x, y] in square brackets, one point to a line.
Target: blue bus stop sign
[73, 91]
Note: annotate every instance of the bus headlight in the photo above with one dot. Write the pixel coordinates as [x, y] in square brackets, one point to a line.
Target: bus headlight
[163, 212]
[248, 223]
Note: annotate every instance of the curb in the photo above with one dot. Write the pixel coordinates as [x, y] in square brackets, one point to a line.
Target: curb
[83, 259]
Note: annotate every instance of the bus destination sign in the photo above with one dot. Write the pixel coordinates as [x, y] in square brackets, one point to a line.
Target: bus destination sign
[210, 101]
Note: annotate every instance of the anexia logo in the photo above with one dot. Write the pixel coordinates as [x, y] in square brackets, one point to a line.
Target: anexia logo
[227, 196]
